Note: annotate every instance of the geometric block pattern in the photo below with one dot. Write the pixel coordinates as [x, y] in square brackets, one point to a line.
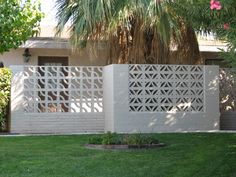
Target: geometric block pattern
[51, 89]
[166, 88]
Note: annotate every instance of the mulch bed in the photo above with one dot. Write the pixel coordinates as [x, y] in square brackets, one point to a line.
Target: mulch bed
[123, 147]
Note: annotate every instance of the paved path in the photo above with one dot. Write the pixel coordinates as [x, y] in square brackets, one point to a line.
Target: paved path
[21, 135]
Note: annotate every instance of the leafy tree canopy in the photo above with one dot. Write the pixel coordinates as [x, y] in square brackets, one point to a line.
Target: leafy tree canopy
[224, 23]
[19, 20]
[217, 17]
[139, 31]
[147, 28]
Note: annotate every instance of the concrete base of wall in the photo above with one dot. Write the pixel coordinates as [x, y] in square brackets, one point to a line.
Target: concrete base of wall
[164, 122]
[57, 123]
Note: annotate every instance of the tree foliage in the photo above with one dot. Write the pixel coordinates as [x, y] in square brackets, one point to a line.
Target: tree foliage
[5, 86]
[18, 21]
[217, 17]
[141, 31]
[224, 26]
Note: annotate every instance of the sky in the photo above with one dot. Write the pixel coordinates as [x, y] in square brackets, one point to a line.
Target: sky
[50, 12]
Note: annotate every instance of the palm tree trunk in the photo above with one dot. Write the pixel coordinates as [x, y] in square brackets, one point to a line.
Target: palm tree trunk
[188, 49]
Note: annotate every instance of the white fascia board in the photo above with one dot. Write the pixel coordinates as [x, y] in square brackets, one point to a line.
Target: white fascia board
[65, 44]
[47, 44]
[212, 48]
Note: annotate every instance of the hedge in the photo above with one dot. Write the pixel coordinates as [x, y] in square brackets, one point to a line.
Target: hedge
[5, 86]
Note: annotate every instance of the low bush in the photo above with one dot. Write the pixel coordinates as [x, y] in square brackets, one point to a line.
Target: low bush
[106, 139]
[126, 139]
[96, 139]
[5, 86]
[140, 139]
[134, 139]
[111, 138]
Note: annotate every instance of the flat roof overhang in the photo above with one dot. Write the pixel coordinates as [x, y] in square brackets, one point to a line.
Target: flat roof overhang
[47, 43]
[63, 43]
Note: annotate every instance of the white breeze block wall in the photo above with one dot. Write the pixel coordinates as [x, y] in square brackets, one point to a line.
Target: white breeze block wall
[161, 98]
[55, 99]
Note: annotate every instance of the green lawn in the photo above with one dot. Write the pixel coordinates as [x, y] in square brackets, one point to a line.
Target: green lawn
[187, 155]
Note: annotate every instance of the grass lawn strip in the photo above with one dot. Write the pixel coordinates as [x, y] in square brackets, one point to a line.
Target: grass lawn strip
[190, 154]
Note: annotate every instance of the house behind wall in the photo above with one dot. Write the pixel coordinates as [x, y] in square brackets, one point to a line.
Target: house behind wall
[54, 48]
[47, 45]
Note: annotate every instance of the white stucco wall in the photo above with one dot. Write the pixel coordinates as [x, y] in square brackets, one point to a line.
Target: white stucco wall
[127, 122]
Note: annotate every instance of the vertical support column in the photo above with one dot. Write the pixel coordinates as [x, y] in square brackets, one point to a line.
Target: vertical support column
[116, 96]
[212, 97]
[108, 97]
[92, 99]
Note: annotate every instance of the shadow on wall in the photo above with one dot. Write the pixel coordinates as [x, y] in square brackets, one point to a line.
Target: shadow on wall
[167, 122]
[227, 90]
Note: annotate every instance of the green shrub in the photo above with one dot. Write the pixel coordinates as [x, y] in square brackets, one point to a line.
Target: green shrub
[133, 139]
[96, 139]
[140, 139]
[111, 138]
[128, 139]
[149, 139]
[5, 87]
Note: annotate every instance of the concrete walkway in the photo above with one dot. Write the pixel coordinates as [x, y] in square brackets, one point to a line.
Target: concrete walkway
[21, 135]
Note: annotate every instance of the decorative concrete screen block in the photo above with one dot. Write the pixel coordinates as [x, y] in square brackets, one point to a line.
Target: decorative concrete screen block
[166, 88]
[62, 89]
[134, 98]
[57, 99]
[161, 98]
